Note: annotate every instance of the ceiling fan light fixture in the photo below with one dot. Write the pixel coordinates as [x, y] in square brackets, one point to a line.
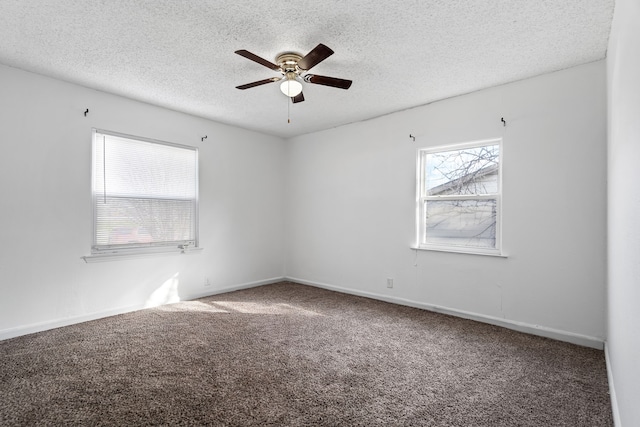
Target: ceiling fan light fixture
[294, 68]
[290, 86]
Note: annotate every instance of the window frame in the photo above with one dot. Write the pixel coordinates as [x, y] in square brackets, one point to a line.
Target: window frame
[422, 199]
[96, 250]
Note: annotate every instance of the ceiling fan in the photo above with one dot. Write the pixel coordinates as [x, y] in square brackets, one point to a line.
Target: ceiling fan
[293, 68]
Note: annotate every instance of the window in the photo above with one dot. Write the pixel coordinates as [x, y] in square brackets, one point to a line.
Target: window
[145, 194]
[459, 198]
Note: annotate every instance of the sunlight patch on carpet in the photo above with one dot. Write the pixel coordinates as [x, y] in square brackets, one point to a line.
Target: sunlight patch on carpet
[263, 308]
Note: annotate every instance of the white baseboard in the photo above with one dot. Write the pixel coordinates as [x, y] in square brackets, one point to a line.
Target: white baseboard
[583, 340]
[612, 388]
[43, 326]
[543, 331]
[235, 288]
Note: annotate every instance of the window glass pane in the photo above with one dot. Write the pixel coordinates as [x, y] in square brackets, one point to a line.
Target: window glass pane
[468, 223]
[144, 193]
[144, 222]
[463, 172]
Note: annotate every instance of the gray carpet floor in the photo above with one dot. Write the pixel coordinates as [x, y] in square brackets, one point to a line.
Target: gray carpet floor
[293, 355]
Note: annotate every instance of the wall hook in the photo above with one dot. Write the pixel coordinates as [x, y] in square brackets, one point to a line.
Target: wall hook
[86, 112]
[503, 122]
[203, 138]
[412, 137]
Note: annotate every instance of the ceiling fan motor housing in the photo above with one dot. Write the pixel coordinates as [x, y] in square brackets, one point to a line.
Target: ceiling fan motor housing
[288, 62]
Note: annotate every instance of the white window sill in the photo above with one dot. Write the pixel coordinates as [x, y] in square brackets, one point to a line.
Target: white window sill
[131, 254]
[459, 251]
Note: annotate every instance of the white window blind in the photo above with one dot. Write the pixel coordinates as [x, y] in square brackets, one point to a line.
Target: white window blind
[145, 193]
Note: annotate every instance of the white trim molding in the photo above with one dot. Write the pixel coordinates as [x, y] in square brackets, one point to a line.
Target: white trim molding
[612, 389]
[543, 331]
[58, 323]
[123, 254]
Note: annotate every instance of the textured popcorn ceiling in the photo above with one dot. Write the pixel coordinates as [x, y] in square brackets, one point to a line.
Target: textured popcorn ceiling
[399, 54]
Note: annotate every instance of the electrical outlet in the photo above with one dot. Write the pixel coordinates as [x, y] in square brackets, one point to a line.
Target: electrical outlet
[207, 282]
[389, 282]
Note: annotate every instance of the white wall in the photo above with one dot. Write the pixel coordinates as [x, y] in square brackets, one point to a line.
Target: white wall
[623, 337]
[343, 199]
[46, 217]
[351, 207]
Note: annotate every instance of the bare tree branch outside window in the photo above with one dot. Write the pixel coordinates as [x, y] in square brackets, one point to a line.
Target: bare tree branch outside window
[460, 196]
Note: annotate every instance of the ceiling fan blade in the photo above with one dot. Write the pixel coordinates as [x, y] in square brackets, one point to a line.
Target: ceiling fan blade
[256, 58]
[328, 81]
[316, 56]
[297, 98]
[258, 83]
